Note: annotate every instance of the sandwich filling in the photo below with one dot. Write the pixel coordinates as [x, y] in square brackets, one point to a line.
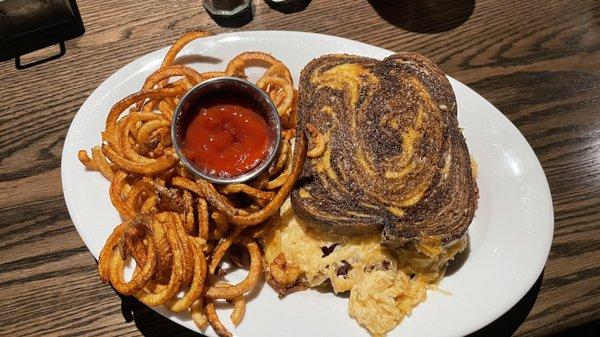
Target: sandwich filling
[384, 284]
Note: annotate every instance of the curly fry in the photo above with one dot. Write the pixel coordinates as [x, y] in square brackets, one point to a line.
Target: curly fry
[109, 268]
[221, 225]
[203, 219]
[102, 163]
[284, 106]
[183, 172]
[125, 190]
[166, 110]
[279, 70]
[119, 107]
[207, 191]
[213, 320]
[262, 230]
[260, 181]
[283, 177]
[176, 280]
[138, 250]
[239, 309]
[245, 285]
[139, 279]
[125, 130]
[213, 74]
[161, 164]
[277, 96]
[165, 72]
[147, 106]
[106, 253]
[197, 310]
[197, 282]
[133, 196]
[236, 66]
[283, 272]
[180, 43]
[261, 197]
[115, 195]
[317, 142]
[221, 249]
[165, 255]
[288, 134]
[149, 205]
[282, 194]
[216, 199]
[282, 157]
[188, 265]
[151, 126]
[86, 160]
[188, 213]
[111, 139]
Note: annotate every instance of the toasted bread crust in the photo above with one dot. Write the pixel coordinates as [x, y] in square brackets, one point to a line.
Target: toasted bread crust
[396, 162]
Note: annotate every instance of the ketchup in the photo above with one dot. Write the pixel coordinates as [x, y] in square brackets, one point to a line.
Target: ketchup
[227, 137]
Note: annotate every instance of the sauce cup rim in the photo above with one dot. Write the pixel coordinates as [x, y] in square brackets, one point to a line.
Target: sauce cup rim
[271, 115]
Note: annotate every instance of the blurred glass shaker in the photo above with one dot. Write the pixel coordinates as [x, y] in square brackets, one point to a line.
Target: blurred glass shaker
[288, 6]
[226, 8]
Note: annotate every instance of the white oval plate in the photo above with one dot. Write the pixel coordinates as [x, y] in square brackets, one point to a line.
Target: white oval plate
[510, 236]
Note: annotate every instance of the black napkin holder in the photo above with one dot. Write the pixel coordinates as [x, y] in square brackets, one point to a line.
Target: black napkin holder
[30, 25]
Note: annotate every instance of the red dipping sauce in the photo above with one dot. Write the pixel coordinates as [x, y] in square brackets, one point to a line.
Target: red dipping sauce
[227, 137]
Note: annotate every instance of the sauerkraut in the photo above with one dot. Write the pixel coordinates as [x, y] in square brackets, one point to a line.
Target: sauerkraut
[384, 284]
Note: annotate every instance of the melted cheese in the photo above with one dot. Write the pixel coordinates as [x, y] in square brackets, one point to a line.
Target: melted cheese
[345, 77]
[384, 284]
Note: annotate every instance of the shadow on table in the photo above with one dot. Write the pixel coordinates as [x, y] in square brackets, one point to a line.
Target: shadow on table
[459, 259]
[196, 58]
[289, 7]
[508, 323]
[149, 322]
[424, 16]
[152, 324]
[589, 329]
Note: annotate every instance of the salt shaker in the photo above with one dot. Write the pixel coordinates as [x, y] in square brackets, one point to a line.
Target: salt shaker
[227, 8]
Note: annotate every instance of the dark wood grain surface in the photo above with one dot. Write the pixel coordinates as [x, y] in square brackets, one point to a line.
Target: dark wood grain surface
[538, 61]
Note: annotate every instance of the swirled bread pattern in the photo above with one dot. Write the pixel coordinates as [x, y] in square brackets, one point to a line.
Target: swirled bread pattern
[395, 161]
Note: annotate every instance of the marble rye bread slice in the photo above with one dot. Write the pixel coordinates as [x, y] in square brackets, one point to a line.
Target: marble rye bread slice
[395, 160]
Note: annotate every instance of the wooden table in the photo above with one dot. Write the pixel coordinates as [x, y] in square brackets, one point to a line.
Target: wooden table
[538, 61]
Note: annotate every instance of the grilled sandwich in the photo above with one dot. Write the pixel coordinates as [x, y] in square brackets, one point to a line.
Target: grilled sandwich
[387, 191]
[394, 160]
